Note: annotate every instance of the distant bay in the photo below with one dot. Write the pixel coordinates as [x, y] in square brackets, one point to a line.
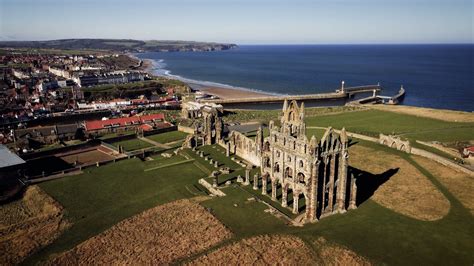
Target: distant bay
[437, 76]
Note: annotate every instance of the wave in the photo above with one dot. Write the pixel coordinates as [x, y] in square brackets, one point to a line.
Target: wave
[159, 69]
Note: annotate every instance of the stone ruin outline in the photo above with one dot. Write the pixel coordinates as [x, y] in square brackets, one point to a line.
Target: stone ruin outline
[395, 142]
[314, 170]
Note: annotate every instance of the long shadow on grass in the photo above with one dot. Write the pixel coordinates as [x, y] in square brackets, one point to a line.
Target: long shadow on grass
[367, 183]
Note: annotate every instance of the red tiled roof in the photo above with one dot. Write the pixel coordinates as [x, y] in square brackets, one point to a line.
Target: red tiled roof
[470, 148]
[146, 127]
[123, 121]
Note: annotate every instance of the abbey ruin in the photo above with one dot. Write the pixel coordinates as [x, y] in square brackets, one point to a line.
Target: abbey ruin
[314, 172]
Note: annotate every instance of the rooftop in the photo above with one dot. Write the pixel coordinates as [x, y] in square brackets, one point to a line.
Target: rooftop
[8, 158]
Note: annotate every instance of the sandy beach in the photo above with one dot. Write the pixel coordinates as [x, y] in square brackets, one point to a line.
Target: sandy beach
[226, 93]
[147, 66]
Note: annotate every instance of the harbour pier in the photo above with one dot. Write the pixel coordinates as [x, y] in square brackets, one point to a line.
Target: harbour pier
[341, 95]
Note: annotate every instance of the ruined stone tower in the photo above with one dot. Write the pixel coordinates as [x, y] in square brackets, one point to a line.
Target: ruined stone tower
[212, 126]
[310, 170]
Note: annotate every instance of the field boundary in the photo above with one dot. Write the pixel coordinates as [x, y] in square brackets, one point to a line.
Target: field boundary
[168, 165]
[415, 151]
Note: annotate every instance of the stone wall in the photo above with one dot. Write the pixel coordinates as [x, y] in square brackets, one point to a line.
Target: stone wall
[395, 142]
[212, 190]
[244, 147]
[185, 129]
[441, 160]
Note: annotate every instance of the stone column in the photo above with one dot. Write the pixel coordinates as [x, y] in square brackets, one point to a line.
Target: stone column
[264, 184]
[341, 188]
[323, 198]
[247, 176]
[332, 170]
[274, 189]
[227, 150]
[284, 196]
[312, 202]
[255, 181]
[296, 199]
[352, 202]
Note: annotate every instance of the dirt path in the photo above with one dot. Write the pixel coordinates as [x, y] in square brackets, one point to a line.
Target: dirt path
[154, 143]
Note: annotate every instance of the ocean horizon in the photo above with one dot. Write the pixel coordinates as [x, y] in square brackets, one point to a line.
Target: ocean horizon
[434, 75]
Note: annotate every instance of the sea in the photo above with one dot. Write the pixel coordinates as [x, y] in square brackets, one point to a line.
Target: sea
[436, 76]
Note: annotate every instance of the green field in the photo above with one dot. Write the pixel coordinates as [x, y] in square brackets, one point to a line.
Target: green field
[132, 144]
[168, 137]
[373, 122]
[101, 197]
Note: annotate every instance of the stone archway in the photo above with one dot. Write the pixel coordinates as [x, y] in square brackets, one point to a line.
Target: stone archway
[266, 146]
[300, 177]
[288, 173]
[393, 145]
[277, 167]
[274, 188]
[266, 162]
[402, 147]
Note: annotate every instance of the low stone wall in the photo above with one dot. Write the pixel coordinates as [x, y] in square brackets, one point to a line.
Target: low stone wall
[186, 129]
[120, 138]
[81, 146]
[160, 130]
[395, 143]
[212, 190]
[441, 160]
[416, 151]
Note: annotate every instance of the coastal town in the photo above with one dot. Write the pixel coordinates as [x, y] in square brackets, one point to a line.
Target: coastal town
[78, 127]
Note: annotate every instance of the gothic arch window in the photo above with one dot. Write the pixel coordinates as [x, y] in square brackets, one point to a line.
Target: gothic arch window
[277, 167]
[301, 163]
[266, 162]
[291, 116]
[266, 146]
[289, 158]
[300, 178]
[278, 154]
[288, 172]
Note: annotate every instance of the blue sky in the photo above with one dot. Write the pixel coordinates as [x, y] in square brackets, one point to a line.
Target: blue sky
[242, 21]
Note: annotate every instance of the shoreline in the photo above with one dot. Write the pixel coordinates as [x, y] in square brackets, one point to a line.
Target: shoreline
[223, 92]
[228, 93]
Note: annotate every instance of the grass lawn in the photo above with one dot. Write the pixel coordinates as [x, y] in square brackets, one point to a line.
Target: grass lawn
[373, 122]
[133, 144]
[115, 134]
[102, 197]
[248, 218]
[168, 137]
